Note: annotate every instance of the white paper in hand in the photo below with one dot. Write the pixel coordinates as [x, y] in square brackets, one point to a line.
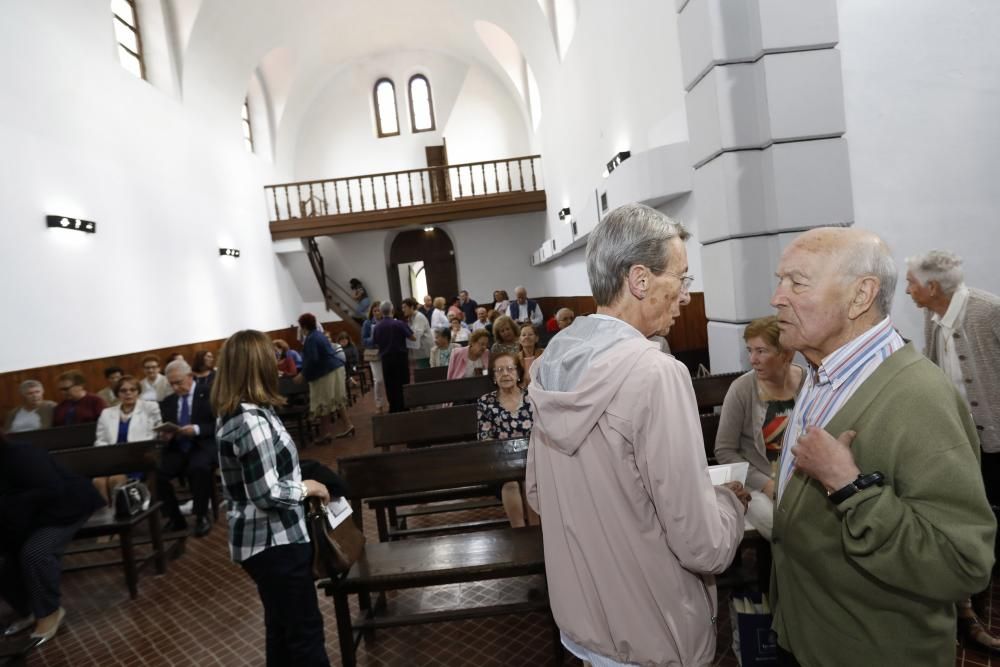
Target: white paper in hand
[729, 472]
[338, 510]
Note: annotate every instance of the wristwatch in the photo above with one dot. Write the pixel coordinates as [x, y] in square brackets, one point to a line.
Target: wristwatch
[862, 482]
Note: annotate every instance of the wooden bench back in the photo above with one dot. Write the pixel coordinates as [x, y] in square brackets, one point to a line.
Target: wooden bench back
[464, 390]
[434, 468]
[59, 437]
[710, 390]
[423, 427]
[288, 387]
[709, 429]
[430, 374]
[112, 459]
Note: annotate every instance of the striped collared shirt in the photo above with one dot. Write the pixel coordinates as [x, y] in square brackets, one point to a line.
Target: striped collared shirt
[261, 481]
[828, 387]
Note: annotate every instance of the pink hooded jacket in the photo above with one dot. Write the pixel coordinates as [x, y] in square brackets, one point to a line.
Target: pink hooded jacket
[633, 527]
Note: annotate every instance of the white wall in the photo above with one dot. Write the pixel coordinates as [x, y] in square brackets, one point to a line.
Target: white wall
[472, 111]
[167, 187]
[922, 92]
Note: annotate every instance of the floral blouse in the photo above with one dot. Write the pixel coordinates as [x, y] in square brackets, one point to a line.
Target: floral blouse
[496, 422]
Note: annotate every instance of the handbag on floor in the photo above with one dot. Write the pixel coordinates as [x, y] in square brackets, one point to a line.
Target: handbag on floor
[753, 640]
[335, 548]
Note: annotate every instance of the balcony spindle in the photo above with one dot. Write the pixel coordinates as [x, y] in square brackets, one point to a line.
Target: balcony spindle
[274, 198]
[534, 184]
[496, 178]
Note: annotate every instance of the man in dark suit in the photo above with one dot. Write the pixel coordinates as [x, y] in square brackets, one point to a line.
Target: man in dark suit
[191, 451]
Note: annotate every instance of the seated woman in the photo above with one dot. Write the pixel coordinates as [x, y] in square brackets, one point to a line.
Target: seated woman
[457, 330]
[528, 350]
[441, 352]
[754, 415]
[466, 362]
[286, 365]
[132, 420]
[203, 366]
[505, 335]
[505, 414]
[500, 301]
[42, 506]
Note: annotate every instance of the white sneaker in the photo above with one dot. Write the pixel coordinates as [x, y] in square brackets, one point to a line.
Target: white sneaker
[19, 625]
[188, 508]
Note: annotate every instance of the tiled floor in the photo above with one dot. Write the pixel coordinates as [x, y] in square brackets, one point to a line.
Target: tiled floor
[205, 611]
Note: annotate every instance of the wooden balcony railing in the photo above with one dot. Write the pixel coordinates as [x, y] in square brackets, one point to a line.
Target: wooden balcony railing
[399, 189]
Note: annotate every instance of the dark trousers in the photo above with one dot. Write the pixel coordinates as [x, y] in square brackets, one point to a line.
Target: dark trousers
[30, 576]
[786, 659]
[395, 373]
[196, 465]
[292, 621]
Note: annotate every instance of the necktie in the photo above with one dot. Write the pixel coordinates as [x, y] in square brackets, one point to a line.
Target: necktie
[184, 420]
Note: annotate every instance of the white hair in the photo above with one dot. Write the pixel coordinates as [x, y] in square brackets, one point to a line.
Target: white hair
[629, 235]
[873, 259]
[385, 308]
[178, 365]
[28, 385]
[941, 266]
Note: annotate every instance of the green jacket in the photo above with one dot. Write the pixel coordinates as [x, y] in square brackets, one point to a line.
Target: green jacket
[874, 580]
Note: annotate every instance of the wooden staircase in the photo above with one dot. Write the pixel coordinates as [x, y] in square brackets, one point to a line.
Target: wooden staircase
[337, 299]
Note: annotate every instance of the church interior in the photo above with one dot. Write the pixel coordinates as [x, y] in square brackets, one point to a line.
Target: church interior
[208, 166]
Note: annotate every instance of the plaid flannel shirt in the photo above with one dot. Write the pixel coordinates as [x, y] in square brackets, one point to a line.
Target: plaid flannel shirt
[261, 482]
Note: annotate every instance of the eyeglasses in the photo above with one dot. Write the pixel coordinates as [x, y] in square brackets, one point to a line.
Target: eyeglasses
[686, 280]
[504, 370]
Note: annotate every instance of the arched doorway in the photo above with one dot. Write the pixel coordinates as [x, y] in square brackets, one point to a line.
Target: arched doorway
[435, 249]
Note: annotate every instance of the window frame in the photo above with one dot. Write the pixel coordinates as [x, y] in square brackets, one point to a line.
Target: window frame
[430, 104]
[248, 137]
[138, 38]
[378, 114]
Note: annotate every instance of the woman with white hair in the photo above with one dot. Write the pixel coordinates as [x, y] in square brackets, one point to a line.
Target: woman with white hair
[633, 528]
[34, 412]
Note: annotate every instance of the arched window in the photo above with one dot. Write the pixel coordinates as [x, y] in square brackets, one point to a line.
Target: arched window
[247, 130]
[421, 104]
[126, 22]
[386, 117]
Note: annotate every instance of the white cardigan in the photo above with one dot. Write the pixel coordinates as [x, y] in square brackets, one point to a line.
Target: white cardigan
[145, 417]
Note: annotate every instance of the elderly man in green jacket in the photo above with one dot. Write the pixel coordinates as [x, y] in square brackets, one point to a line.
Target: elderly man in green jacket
[881, 521]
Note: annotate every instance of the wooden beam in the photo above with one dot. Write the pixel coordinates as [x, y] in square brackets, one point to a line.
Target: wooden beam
[458, 209]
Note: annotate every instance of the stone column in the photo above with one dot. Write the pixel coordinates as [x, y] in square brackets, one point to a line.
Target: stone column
[766, 130]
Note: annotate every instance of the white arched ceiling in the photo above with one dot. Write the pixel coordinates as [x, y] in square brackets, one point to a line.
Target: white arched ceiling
[228, 40]
[561, 16]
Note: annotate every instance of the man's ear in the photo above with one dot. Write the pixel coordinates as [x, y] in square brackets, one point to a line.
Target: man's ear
[866, 290]
[638, 280]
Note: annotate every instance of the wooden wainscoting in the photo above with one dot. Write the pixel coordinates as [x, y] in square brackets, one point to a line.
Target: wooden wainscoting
[93, 369]
[690, 331]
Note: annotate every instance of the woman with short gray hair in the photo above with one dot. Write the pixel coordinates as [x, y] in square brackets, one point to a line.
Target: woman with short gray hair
[632, 526]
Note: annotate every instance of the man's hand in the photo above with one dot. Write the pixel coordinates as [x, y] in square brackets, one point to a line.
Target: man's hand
[299, 379]
[186, 431]
[741, 493]
[826, 459]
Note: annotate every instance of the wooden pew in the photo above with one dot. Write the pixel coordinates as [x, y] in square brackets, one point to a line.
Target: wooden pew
[464, 390]
[416, 563]
[59, 437]
[295, 413]
[430, 374]
[117, 460]
[710, 390]
[425, 427]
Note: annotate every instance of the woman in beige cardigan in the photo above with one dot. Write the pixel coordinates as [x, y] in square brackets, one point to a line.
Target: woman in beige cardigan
[754, 414]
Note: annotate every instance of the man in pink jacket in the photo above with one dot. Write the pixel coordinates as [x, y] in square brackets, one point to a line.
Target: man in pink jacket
[633, 527]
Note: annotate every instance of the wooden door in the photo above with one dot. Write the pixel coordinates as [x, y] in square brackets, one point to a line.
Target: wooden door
[440, 185]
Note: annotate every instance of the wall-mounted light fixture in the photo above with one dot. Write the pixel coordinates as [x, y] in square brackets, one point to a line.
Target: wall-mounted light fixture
[229, 252]
[564, 213]
[614, 162]
[429, 229]
[62, 222]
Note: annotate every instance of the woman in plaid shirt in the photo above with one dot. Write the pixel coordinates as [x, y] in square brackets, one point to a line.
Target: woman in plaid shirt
[264, 490]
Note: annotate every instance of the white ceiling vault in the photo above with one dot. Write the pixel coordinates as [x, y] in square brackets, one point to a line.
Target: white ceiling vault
[297, 46]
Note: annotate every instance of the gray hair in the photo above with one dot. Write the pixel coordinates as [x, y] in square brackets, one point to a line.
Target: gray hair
[385, 308]
[565, 310]
[941, 266]
[873, 259]
[629, 235]
[178, 365]
[27, 385]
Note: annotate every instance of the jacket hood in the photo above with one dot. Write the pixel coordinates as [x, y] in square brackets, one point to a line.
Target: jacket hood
[576, 379]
